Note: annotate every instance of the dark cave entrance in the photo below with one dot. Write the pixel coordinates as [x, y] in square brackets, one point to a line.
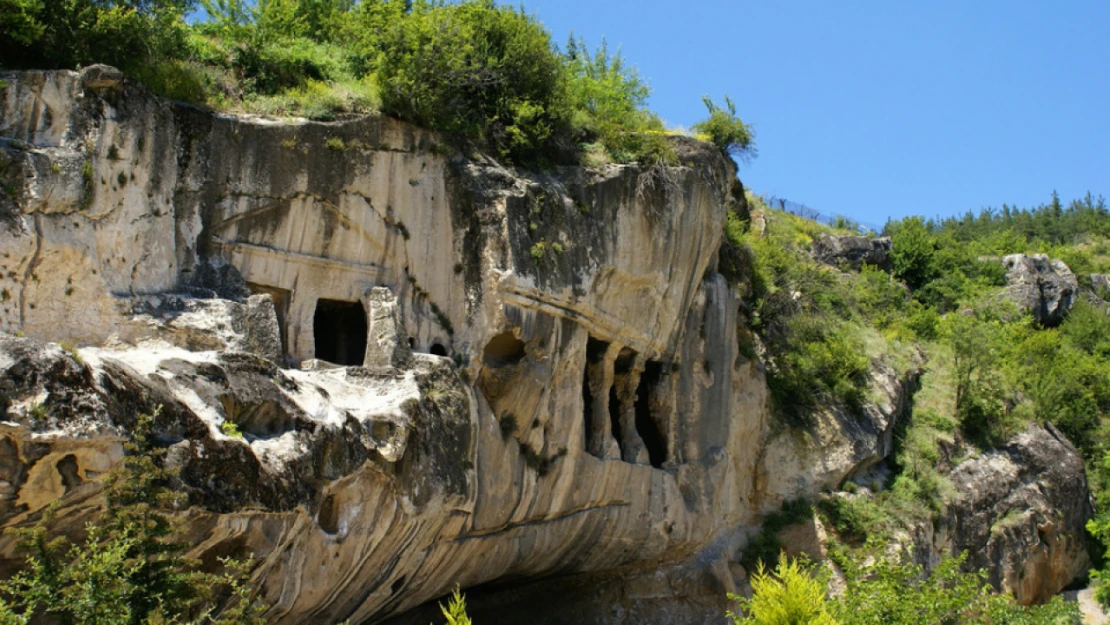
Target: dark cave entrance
[438, 350]
[339, 330]
[647, 425]
[503, 350]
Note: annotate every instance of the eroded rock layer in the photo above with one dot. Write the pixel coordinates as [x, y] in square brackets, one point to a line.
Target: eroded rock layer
[386, 369]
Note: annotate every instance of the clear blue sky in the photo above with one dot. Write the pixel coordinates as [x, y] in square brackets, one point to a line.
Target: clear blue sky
[882, 108]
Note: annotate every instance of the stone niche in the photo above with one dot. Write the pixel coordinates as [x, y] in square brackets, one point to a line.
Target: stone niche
[627, 414]
[364, 333]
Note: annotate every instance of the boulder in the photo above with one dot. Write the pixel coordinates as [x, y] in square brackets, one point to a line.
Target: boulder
[207, 324]
[1040, 285]
[1020, 513]
[101, 78]
[853, 251]
[1100, 282]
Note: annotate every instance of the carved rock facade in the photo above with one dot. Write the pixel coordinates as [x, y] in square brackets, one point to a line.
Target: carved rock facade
[444, 371]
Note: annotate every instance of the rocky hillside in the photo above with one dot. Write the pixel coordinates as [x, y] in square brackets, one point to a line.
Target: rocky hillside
[386, 368]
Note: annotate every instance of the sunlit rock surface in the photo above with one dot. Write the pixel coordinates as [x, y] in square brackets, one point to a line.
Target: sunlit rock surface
[440, 371]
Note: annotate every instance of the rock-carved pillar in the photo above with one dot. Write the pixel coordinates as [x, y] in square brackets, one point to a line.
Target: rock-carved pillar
[387, 343]
[599, 376]
[632, 446]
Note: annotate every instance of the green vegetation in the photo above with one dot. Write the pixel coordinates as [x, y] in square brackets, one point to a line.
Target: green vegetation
[727, 131]
[128, 570]
[821, 327]
[1006, 371]
[889, 591]
[486, 75]
[790, 596]
[765, 546]
[455, 610]
[989, 370]
[230, 428]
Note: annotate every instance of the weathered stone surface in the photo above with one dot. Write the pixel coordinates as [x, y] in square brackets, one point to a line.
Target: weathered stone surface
[839, 445]
[203, 324]
[387, 345]
[263, 334]
[596, 427]
[1020, 514]
[101, 77]
[1040, 285]
[853, 251]
[501, 486]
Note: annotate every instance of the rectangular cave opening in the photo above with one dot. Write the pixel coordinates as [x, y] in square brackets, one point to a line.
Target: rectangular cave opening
[647, 422]
[339, 331]
[281, 299]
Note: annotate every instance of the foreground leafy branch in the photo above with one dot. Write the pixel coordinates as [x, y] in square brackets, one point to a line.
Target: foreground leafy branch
[129, 569]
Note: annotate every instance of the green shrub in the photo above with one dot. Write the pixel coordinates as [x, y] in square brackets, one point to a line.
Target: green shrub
[230, 428]
[738, 260]
[817, 361]
[70, 33]
[271, 68]
[474, 70]
[921, 321]
[891, 591]
[726, 130]
[807, 316]
[855, 518]
[788, 596]
[1087, 328]
[19, 21]
[608, 101]
[764, 547]
[177, 80]
[455, 610]
[912, 251]
[981, 407]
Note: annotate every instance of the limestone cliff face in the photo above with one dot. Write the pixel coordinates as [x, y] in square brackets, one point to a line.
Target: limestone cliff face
[577, 406]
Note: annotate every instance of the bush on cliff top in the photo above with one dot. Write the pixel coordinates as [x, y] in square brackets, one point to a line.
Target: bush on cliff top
[485, 74]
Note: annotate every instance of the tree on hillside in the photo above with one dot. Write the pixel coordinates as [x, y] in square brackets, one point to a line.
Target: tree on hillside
[68, 33]
[912, 253]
